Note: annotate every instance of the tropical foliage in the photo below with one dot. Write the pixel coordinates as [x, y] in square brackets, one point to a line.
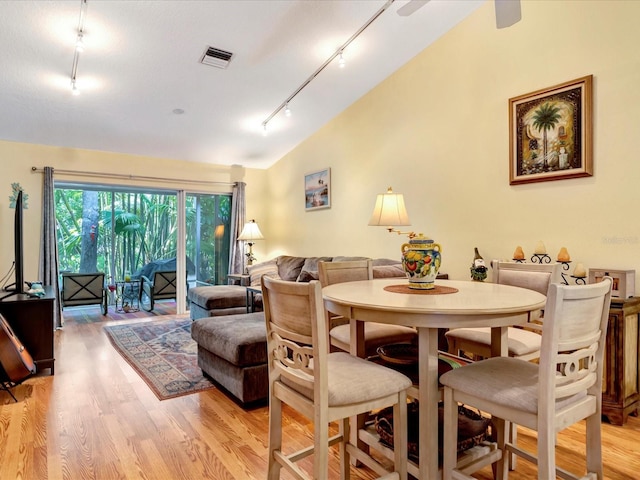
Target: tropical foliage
[118, 232]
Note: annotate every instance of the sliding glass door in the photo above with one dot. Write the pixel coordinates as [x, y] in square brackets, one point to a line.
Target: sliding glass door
[126, 232]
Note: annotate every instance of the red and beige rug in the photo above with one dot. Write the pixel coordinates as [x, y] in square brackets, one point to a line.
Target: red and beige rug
[163, 353]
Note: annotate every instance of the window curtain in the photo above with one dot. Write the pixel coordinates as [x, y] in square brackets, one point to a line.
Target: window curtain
[48, 270]
[238, 214]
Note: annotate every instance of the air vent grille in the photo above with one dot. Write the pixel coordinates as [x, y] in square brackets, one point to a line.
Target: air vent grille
[216, 57]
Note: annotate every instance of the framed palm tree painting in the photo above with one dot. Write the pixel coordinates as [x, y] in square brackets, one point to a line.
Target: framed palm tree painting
[550, 133]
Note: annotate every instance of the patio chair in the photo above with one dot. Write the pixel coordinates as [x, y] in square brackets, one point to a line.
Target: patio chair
[83, 289]
[163, 286]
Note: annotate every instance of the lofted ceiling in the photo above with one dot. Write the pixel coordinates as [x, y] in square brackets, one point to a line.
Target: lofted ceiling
[141, 64]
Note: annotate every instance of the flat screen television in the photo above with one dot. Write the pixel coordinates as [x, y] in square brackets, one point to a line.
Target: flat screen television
[18, 286]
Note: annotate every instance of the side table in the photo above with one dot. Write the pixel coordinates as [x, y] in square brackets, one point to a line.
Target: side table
[620, 375]
[127, 296]
[241, 279]
[251, 297]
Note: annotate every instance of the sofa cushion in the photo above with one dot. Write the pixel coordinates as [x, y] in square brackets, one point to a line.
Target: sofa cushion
[218, 296]
[377, 262]
[269, 268]
[289, 267]
[239, 339]
[349, 259]
[310, 268]
[389, 271]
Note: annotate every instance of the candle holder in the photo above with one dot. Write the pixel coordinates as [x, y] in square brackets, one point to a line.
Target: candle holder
[540, 258]
[565, 267]
[519, 260]
[579, 280]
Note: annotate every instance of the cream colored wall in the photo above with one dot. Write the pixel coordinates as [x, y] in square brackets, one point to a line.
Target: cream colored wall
[437, 131]
[16, 160]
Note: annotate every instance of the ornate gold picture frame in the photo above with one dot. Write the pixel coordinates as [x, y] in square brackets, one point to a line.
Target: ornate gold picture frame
[550, 133]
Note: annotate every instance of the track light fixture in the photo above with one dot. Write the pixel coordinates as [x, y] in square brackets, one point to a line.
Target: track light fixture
[78, 48]
[341, 63]
[287, 111]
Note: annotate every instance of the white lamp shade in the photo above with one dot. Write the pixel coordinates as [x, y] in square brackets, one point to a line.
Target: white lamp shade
[389, 210]
[251, 232]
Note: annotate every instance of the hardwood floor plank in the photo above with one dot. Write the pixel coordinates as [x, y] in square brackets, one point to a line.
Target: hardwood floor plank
[97, 419]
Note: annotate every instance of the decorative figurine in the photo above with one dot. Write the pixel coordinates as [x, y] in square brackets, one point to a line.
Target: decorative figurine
[478, 267]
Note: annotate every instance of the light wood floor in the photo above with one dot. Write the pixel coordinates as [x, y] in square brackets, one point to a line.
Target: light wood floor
[96, 419]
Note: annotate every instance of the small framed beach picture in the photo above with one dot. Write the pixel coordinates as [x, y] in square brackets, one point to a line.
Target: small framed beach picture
[317, 190]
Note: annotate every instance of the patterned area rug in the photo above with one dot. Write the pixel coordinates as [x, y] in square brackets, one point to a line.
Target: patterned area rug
[163, 353]
[92, 313]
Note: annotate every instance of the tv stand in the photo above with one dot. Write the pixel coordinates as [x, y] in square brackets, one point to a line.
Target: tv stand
[32, 321]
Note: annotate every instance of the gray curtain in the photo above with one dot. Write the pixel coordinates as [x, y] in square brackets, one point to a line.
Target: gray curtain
[238, 209]
[48, 271]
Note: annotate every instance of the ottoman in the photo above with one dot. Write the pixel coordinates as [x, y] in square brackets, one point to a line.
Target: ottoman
[232, 350]
[217, 300]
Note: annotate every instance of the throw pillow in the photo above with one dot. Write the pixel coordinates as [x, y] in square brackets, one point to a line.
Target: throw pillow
[289, 267]
[256, 271]
[310, 268]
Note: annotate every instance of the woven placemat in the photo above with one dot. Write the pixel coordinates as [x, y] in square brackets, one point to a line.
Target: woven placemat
[437, 290]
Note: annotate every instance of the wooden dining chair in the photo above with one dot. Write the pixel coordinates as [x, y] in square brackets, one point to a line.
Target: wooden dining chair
[375, 334]
[323, 386]
[564, 388]
[523, 343]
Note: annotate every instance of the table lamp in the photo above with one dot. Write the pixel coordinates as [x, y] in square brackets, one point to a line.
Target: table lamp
[420, 256]
[250, 233]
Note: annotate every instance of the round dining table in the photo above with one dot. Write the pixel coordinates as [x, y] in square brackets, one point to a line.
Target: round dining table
[452, 304]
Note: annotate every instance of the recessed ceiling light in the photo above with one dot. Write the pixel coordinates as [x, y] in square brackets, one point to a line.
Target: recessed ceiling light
[178, 111]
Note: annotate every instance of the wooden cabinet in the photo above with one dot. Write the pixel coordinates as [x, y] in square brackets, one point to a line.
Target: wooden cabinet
[620, 389]
[32, 321]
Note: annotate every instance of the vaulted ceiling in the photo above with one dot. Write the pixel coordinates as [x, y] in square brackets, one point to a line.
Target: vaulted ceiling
[145, 92]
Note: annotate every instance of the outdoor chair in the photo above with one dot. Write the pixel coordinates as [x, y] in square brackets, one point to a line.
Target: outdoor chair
[563, 389]
[325, 387]
[83, 289]
[163, 286]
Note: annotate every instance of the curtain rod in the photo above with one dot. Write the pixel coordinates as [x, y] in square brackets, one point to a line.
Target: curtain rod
[131, 177]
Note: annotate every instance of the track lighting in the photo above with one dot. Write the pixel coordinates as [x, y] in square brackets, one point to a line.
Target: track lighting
[80, 43]
[341, 63]
[264, 129]
[79, 47]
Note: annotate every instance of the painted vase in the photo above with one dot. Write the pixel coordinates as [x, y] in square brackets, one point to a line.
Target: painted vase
[421, 262]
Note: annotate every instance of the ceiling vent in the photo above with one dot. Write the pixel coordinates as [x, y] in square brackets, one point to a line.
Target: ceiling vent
[216, 57]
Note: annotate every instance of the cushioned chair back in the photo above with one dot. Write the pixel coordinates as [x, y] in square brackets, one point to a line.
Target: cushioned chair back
[294, 316]
[164, 285]
[82, 289]
[573, 340]
[534, 276]
[339, 272]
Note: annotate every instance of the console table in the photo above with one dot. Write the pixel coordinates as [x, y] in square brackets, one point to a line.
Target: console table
[32, 321]
[620, 377]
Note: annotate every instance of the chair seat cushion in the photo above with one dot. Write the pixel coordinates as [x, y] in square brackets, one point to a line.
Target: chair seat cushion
[353, 380]
[504, 381]
[520, 342]
[219, 296]
[375, 334]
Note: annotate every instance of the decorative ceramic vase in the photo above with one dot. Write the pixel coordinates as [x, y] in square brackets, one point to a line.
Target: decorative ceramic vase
[421, 262]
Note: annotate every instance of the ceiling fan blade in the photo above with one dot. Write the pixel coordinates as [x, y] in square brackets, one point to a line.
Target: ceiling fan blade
[507, 12]
[410, 7]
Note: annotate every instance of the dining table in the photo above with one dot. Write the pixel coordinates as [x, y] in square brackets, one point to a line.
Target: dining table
[451, 304]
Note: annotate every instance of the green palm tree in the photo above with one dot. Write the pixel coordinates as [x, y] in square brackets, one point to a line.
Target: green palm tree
[545, 118]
